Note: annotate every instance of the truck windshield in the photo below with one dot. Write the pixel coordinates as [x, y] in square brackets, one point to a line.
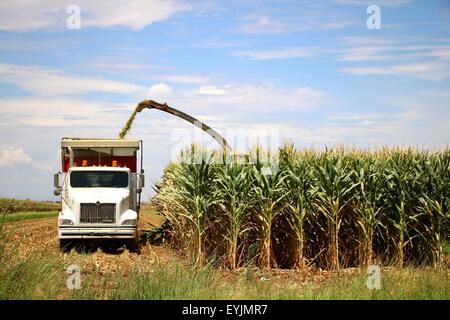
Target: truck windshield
[98, 179]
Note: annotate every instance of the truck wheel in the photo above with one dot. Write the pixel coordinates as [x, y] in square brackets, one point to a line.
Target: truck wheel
[65, 245]
[132, 245]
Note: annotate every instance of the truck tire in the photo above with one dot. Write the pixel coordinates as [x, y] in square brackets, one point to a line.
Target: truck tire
[132, 245]
[65, 245]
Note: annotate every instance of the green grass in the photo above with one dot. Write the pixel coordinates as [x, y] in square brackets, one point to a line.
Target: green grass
[175, 282]
[167, 283]
[408, 284]
[446, 249]
[19, 216]
[36, 277]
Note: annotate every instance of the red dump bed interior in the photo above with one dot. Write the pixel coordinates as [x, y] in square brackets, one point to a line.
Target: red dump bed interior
[121, 161]
[99, 152]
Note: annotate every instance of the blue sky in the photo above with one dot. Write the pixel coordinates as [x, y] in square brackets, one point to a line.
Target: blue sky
[309, 72]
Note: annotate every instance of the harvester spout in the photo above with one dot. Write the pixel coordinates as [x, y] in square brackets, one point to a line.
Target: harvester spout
[150, 104]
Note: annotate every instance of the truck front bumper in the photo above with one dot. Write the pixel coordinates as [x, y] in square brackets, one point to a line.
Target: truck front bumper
[74, 232]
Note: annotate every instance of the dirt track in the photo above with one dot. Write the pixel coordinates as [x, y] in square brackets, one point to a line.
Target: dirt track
[40, 237]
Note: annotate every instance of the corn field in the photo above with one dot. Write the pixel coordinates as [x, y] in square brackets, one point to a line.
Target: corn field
[8, 205]
[293, 208]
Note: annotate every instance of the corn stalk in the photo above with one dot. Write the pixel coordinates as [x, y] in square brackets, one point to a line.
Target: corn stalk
[298, 187]
[193, 195]
[232, 187]
[368, 203]
[433, 204]
[403, 189]
[267, 190]
[334, 186]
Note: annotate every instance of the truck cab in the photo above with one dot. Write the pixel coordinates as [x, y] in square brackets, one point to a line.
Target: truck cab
[100, 190]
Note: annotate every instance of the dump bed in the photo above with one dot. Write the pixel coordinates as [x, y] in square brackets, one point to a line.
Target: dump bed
[76, 152]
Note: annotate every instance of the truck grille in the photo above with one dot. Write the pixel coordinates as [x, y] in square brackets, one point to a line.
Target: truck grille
[98, 213]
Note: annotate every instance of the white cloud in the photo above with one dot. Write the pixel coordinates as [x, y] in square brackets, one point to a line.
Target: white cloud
[56, 112]
[334, 25]
[385, 52]
[441, 53]
[368, 120]
[356, 117]
[433, 71]
[312, 16]
[283, 53]
[434, 93]
[10, 157]
[232, 102]
[216, 43]
[261, 24]
[408, 127]
[308, 93]
[159, 90]
[370, 2]
[120, 66]
[358, 41]
[189, 79]
[368, 53]
[357, 49]
[211, 90]
[427, 59]
[49, 82]
[16, 157]
[244, 101]
[16, 42]
[132, 14]
[311, 19]
[35, 14]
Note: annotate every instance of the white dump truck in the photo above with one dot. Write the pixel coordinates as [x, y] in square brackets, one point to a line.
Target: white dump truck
[100, 188]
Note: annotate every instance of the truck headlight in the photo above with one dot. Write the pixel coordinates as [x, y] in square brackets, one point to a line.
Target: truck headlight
[65, 221]
[129, 222]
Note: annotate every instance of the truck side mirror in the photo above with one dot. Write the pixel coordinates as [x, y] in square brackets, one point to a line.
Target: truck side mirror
[56, 186]
[141, 181]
